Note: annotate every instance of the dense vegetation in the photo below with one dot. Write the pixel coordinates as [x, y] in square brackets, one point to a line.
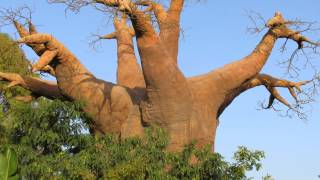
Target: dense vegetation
[51, 139]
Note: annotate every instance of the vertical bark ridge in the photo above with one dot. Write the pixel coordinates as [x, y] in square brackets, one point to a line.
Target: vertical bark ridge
[170, 28]
[169, 102]
[129, 72]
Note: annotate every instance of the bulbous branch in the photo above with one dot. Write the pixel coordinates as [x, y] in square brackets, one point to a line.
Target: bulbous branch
[37, 86]
[38, 48]
[129, 72]
[169, 23]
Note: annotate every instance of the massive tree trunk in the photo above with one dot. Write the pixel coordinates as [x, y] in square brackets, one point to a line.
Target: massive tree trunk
[157, 93]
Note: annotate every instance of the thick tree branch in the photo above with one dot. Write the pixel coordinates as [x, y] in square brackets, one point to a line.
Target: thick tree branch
[170, 31]
[48, 69]
[24, 98]
[233, 75]
[129, 72]
[76, 83]
[109, 36]
[37, 86]
[108, 105]
[44, 60]
[280, 27]
[176, 7]
[270, 83]
[141, 24]
[38, 48]
[158, 10]
[169, 24]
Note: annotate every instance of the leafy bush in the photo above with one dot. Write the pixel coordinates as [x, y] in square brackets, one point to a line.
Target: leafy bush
[51, 141]
[63, 151]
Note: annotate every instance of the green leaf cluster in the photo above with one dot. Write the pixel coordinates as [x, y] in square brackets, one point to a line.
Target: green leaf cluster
[8, 165]
[134, 158]
[12, 58]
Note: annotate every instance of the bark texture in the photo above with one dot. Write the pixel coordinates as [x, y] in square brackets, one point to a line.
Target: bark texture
[156, 93]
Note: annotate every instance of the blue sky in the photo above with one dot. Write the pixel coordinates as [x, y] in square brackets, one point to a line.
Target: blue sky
[214, 34]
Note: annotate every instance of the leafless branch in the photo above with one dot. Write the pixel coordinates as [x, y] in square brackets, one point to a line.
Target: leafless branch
[8, 15]
[257, 20]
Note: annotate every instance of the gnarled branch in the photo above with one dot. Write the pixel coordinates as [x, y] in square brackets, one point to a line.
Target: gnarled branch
[270, 83]
[37, 86]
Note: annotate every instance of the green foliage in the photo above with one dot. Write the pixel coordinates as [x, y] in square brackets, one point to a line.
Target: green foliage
[12, 59]
[268, 177]
[50, 126]
[43, 128]
[213, 166]
[50, 139]
[134, 158]
[8, 165]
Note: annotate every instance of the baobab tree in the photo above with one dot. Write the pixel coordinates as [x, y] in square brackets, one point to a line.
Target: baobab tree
[157, 93]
